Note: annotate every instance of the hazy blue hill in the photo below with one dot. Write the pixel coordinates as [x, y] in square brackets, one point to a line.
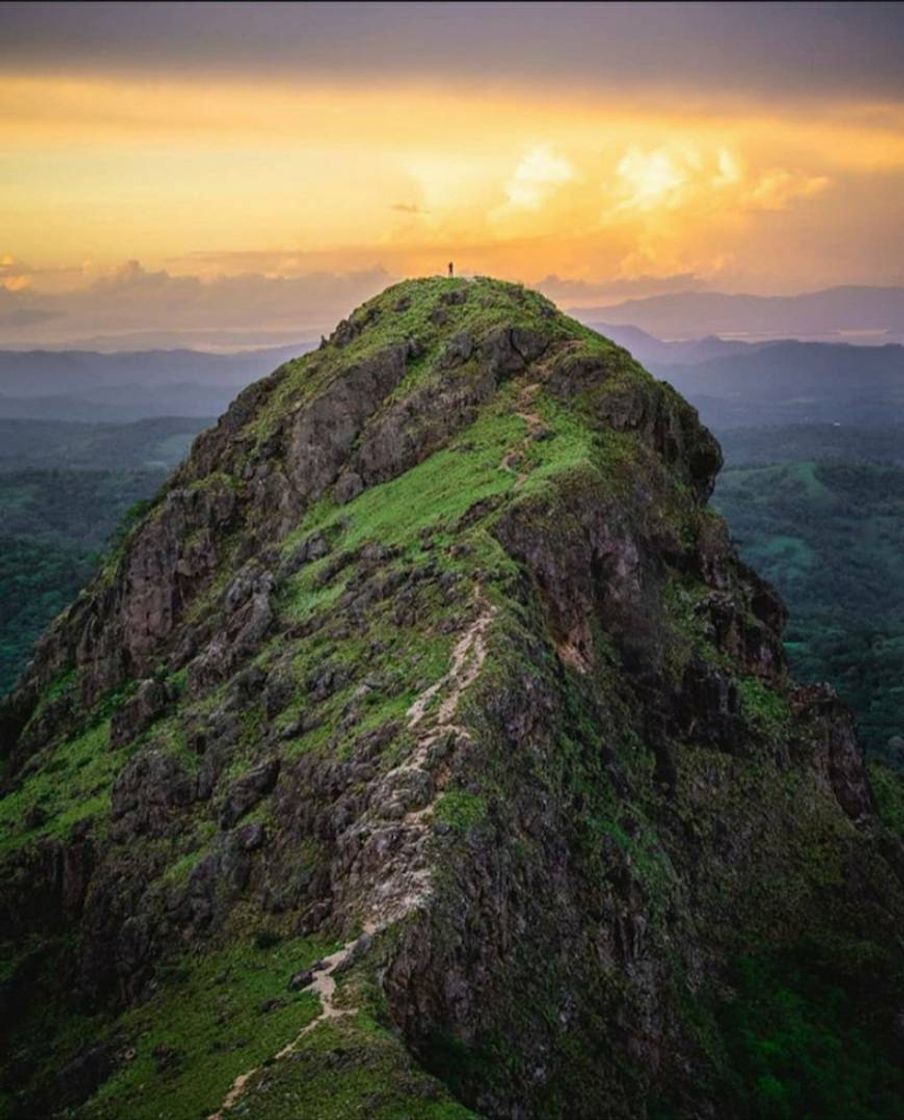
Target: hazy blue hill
[30, 373]
[826, 314]
[122, 404]
[89, 386]
[735, 383]
[652, 351]
[732, 383]
[795, 383]
[789, 368]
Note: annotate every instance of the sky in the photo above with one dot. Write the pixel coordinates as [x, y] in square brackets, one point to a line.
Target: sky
[215, 163]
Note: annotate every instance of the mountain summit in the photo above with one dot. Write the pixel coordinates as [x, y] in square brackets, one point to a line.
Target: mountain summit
[426, 751]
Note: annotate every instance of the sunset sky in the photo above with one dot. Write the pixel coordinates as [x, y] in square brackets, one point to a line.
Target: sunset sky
[606, 150]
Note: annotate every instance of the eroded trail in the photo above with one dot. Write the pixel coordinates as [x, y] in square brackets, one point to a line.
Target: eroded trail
[393, 838]
[405, 887]
[513, 460]
[324, 986]
[468, 656]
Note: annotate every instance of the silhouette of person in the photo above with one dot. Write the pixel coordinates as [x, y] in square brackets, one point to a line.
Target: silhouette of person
[451, 269]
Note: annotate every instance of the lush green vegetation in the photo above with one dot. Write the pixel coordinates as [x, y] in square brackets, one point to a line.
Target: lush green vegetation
[73, 786]
[219, 1016]
[795, 383]
[55, 525]
[213, 1017]
[830, 536]
[37, 580]
[80, 508]
[158, 443]
[798, 442]
[64, 488]
[799, 1045]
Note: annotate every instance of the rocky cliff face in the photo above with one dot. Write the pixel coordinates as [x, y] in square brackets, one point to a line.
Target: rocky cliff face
[427, 751]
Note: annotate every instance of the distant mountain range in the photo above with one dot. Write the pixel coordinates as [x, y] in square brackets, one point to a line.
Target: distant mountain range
[744, 384]
[115, 388]
[734, 383]
[848, 313]
[650, 351]
[794, 383]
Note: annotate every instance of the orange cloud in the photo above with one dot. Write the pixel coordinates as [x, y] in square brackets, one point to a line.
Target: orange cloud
[538, 174]
[776, 189]
[510, 181]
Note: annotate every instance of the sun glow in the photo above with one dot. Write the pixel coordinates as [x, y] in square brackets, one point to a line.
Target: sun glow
[226, 177]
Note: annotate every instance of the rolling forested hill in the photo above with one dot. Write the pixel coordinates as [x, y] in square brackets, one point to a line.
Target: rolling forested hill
[54, 526]
[830, 536]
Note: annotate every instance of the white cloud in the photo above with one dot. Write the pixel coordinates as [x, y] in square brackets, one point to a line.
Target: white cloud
[665, 179]
[538, 175]
[653, 179]
[729, 169]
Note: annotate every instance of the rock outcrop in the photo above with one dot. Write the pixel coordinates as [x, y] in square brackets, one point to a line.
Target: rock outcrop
[427, 750]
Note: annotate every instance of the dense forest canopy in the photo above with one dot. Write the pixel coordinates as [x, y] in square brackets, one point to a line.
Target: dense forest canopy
[830, 536]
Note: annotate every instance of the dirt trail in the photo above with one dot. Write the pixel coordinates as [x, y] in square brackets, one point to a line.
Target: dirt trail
[406, 884]
[512, 459]
[324, 986]
[468, 656]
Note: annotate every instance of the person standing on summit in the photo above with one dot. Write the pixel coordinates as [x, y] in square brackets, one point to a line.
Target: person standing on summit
[451, 270]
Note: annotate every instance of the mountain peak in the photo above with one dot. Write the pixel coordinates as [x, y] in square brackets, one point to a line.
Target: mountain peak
[424, 749]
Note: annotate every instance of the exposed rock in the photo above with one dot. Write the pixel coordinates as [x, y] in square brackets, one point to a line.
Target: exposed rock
[838, 755]
[278, 691]
[325, 431]
[246, 687]
[271, 1004]
[348, 487]
[252, 836]
[499, 354]
[248, 790]
[79, 1078]
[300, 980]
[311, 548]
[149, 791]
[251, 580]
[138, 712]
[457, 351]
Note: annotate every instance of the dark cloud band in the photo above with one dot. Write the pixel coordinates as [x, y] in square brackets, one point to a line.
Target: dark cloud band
[801, 48]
